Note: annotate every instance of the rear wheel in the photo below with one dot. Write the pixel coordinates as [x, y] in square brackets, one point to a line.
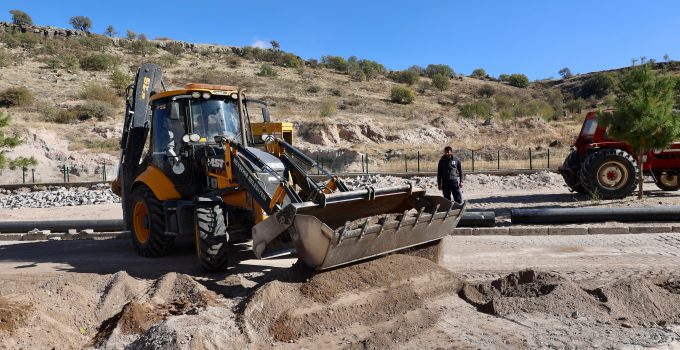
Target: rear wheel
[666, 182]
[148, 224]
[212, 238]
[570, 172]
[609, 174]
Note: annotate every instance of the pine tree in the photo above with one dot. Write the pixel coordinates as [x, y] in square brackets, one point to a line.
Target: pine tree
[9, 142]
[644, 115]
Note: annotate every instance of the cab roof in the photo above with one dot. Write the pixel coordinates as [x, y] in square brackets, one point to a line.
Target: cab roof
[189, 88]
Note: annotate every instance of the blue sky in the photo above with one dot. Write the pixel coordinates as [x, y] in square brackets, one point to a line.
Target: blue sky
[534, 37]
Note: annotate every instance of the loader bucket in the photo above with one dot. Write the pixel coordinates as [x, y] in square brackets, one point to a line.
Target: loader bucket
[351, 228]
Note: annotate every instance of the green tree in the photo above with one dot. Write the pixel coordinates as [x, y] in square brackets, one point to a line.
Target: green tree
[644, 115]
[21, 18]
[9, 142]
[442, 69]
[518, 80]
[402, 95]
[131, 35]
[275, 45]
[504, 77]
[110, 31]
[80, 23]
[565, 73]
[408, 77]
[441, 82]
[599, 85]
[478, 73]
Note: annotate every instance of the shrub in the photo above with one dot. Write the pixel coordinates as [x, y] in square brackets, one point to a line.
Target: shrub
[4, 58]
[370, 69]
[475, 110]
[21, 18]
[94, 109]
[408, 77]
[95, 92]
[98, 62]
[131, 35]
[335, 62]
[233, 61]
[313, 89]
[267, 70]
[598, 85]
[441, 82]
[504, 77]
[16, 97]
[289, 60]
[417, 69]
[174, 48]
[119, 81]
[65, 61]
[478, 73]
[335, 92]
[518, 80]
[167, 60]
[26, 40]
[442, 69]
[402, 95]
[576, 105]
[486, 91]
[141, 46]
[81, 23]
[328, 108]
[95, 42]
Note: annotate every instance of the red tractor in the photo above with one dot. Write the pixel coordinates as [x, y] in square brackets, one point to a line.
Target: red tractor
[600, 166]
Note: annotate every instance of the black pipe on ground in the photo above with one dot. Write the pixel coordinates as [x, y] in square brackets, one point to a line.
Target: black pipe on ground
[585, 215]
[61, 225]
[478, 219]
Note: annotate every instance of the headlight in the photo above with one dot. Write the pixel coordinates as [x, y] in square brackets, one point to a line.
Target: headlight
[206, 95]
[195, 94]
[234, 96]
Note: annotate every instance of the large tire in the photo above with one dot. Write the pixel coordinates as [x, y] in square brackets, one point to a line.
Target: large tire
[609, 174]
[571, 172]
[147, 224]
[212, 238]
[666, 181]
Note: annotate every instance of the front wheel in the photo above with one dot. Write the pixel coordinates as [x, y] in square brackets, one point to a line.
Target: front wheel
[212, 238]
[610, 174]
[148, 224]
[666, 182]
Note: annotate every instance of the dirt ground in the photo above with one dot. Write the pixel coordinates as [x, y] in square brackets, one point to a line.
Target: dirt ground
[476, 292]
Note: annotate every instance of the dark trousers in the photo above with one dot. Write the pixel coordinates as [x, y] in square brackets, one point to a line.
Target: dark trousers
[449, 187]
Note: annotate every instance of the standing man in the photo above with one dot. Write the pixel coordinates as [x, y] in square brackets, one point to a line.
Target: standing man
[450, 176]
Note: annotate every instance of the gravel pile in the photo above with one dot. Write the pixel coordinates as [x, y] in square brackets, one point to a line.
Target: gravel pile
[473, 182]
[56, 196]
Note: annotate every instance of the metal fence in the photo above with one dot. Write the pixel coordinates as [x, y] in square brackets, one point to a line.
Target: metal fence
[339, 162]
[416, 162]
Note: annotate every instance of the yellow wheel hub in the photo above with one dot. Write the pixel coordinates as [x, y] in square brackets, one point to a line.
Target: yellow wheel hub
[140, 222]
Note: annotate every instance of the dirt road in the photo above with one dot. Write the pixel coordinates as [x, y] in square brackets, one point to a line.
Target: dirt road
[395, 302]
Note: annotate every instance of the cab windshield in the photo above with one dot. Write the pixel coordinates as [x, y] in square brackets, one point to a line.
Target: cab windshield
[215, 117]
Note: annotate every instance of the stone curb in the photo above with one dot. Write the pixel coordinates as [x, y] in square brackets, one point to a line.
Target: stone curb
[562, 230]
[45, 236]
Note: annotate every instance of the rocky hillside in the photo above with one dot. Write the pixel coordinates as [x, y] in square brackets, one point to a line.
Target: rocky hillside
[73, 113]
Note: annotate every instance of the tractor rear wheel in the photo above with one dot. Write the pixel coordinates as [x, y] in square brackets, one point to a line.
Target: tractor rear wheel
[609, 174]
[148, 224]
[571, 172]
[666, 181]
[212, 238]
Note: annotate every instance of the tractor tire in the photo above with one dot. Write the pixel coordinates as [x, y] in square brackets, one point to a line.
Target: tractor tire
[609, 174]
[212, 238]
[147, 224]
[666, 182]
[571, 172]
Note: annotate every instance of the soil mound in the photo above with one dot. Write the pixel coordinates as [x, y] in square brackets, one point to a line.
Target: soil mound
[380, 294]
[629, 301]
[12, 316]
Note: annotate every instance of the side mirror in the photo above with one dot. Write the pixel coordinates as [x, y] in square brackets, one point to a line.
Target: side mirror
[265, 115]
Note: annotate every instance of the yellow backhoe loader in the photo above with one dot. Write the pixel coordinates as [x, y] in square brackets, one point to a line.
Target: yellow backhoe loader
[192, 163]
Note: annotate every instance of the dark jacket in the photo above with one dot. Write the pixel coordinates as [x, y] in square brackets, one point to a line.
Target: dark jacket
[449, 169]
